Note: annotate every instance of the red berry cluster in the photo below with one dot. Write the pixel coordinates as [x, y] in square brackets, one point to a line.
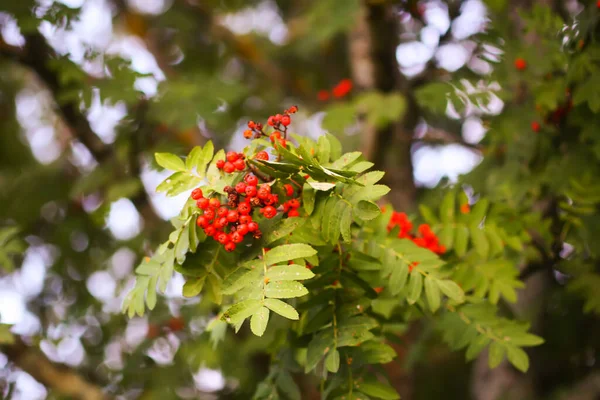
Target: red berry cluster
[235, 162]
[427, 238]
[279, 122]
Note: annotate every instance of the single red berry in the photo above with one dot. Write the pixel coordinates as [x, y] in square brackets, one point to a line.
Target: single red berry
[263, 193]
[342, 88]
[294, 203]
[289, 189]
[220, 164]
[202, 221]
[323, 95]
[232, 156]
[239, 164]
[222, 238]
[240, 188]
[251, 180]
[520, 64]
[236, 237]
[271, 199]
[153, 331]
[286, 120]
[223, 222]
[251, 124]
[209, 213]
[275, 136]
[262, 155]
[210, 230]
[248, 134]
[293, 109]
[197, 194]
[214, 202]
[233, 216]
[218, 224]
[271, 121]
[230, 246]
[535, 126]
[283, 142]
[252, 226]
[269, 211]
[176, 324]
[242, 229]
[278, 118]
[293, 213]
[222, 211]
[202, 203]
[598, 4]
[245, 219]
[250, 191]
[244, 208]
[228, 167]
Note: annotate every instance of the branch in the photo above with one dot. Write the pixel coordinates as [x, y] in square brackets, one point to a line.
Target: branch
[63, 380]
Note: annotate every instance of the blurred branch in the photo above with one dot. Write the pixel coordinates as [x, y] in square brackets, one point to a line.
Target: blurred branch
[63, 380]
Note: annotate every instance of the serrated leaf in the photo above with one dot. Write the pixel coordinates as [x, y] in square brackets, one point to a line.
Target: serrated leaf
[283, 228]
[318, 347]
[526, 339]
[308, 198]
[447, 208]
[214, 289]
[259, 321]
[285, 290]
[478, 211]
[432, 293]
[151, 293]
[286, 384]
[335, 147]
[476, 347]
[398, 277]
[288, 252]
[461, 239]
[332, 362]
[370, 178]
[447, 235]
[282, 308]
[240, 311]
[240, 279]
[193, 286]
[324, 149]
[496, 354]
[366, 210]
[482, 247]
[378, 389]
[323, 186]
[169, 161]
[292, 272]
[345, 224]
[518, 358]
[451, 289]
[415, 287]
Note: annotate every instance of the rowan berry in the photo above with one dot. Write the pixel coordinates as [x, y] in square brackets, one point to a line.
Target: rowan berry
[197, 194]
[245, 219]
[242, 229]
[232, 156]
[262, 155]
[283, 142]
[222, 211]
[248, 134]
[520, 64]
[214, 202]
[251, 180]
[222, 238]
[176, 324]
[323, 95]
[293, 213]
[233, 216]
[535, 126]
[244, 208]
[285, 120]
[294, 203]
[269, 211]
[292, 110]
[202, 221]
[209, 213]
[271, 200]
[240, 165]
[250, 191]
[271, 121]
[278, 118]
[220, 164]
[263, 192]
[252, 226]
[465, 208]
[289, 190]
[342, 88]
[275, 136]
[236, 237]
[228, 167]
[202, 203]
[230, 246]
[251, 124]
[210, 230]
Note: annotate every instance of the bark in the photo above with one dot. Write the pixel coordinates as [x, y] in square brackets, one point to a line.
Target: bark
[372, 50]
[64, 381]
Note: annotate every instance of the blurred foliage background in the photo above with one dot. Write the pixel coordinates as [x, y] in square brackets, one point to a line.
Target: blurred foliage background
[499, 98]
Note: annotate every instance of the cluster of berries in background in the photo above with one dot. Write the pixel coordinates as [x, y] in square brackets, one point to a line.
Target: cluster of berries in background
[424, 237]
[251, 198]
[340, 90]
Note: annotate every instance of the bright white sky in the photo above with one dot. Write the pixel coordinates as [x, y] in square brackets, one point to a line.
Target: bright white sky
[95, 29]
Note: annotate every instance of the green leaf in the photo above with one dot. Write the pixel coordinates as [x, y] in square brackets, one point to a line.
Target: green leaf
[370, 178]
[398, 277]
[415, 287]
[318, 347]
[518, 358]
[169, 161]
[452, 290]
[240, 311]
[292, 272]
[332, 218]
[478, 212]
[477, 346]
[286, 384]
[308, 198]
[447, 208]
[526, 339]
[332, 362]
[193, 287]
[335, 147]
[282, 308]
[324, 149]
[366, 210]
[496, 245]
[496, 354]
[447, 235]
[285, 290]
[378, 389]
[6, 336]
[283, 228]
[288, 252]
[214, 289]
[151, 293]
[345, 224]
[240, 279]
[461, 239]
[259, 321]
[432, 293]
[482, 246]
